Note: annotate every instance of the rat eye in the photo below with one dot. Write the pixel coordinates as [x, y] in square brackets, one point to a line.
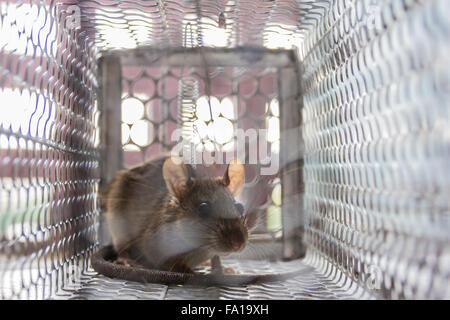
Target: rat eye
[239, 208]
[204, 209]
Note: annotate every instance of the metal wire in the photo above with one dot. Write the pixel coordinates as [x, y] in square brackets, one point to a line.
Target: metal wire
[187, 106]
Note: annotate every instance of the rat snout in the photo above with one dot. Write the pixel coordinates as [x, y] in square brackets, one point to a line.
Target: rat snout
[237, 244]
[236, 236]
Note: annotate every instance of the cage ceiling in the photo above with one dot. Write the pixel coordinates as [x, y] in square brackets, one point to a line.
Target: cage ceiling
[123, 24]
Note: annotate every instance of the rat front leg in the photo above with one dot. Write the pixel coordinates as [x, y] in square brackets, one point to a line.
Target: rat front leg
[217, 267]
[123, 259]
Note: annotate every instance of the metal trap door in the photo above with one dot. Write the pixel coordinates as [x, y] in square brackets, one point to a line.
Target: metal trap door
[208, 106]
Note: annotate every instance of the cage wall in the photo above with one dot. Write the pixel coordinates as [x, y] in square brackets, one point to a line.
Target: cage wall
[376, 133]
[373, 169]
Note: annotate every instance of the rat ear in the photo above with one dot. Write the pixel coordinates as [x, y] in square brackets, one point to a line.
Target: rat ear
[177, 177]
[234, 177]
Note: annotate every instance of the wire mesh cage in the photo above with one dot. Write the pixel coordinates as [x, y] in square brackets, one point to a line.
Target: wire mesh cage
[353, 96]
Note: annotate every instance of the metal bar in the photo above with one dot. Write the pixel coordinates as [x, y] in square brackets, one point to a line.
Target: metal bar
[291, 163]
[224, 57]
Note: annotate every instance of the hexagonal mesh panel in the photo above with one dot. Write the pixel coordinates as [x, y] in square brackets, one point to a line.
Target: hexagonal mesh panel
[354, 95]
[241, 98]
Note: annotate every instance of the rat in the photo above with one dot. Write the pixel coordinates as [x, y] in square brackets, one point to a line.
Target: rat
[163, 216]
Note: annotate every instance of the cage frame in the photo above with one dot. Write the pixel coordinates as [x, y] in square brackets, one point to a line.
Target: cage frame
[284, 61]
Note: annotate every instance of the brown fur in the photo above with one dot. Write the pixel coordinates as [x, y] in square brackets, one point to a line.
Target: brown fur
[164, 230]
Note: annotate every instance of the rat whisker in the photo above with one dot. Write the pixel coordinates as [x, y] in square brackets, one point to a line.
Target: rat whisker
[259, 252]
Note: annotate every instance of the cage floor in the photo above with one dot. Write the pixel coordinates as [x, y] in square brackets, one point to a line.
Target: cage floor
[310, 284]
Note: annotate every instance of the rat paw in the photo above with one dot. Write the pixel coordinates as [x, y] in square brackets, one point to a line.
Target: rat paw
[223, 270]
[206, 264]
[229, 270]
[122, 262]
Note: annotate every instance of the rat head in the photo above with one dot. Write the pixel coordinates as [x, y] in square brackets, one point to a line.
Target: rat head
[209, 205]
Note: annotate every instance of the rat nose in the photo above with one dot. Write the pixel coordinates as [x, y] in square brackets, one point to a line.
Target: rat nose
[237, 244]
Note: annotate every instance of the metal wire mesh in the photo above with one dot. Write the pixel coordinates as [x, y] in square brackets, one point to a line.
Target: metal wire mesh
[121, 24]
[240, 98]
[375, 118]
[49, 160]
[375, 125]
